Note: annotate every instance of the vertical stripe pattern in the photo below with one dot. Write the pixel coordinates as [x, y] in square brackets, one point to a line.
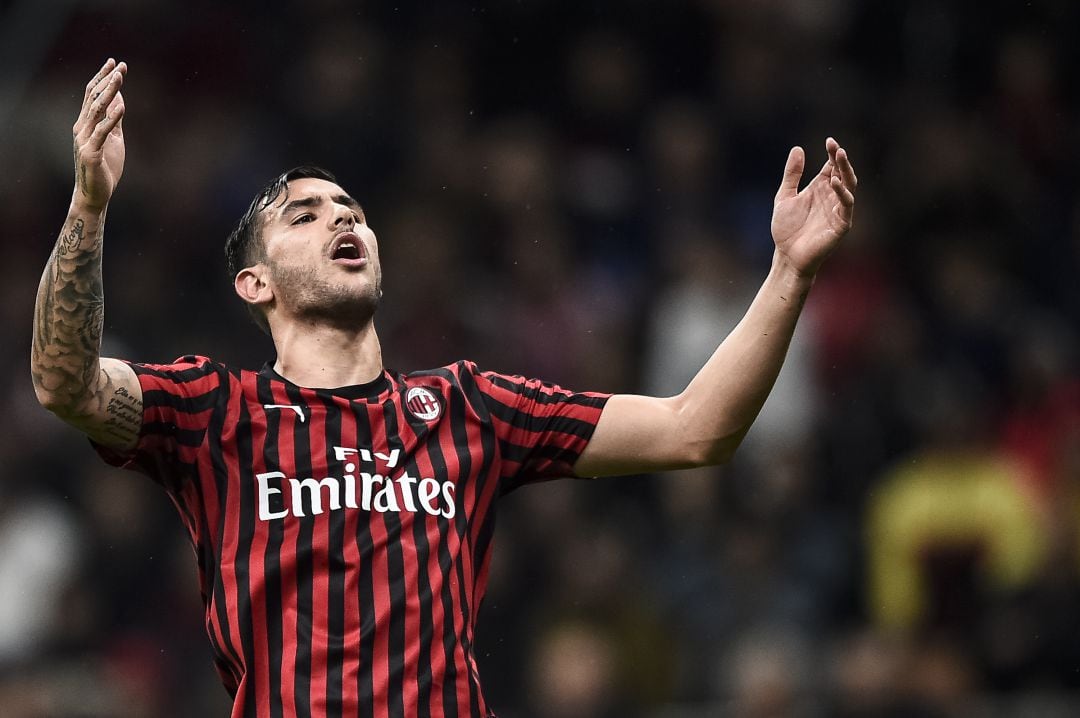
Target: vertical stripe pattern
[343, 536]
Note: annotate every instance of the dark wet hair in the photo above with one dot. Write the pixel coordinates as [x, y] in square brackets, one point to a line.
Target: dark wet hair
[243, 247]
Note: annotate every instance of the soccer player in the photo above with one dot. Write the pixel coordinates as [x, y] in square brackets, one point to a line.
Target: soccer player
[342, 514]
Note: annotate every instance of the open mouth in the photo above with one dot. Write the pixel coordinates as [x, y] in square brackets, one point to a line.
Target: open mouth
[348, 249]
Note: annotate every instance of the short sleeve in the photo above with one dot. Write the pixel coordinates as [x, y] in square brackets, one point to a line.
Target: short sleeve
[178, 402]
[542, 428]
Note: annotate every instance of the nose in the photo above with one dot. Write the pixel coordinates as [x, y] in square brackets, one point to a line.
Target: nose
[344, 216]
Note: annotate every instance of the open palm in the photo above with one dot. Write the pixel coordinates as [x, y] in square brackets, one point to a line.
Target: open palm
[99, 137]
[807, 225]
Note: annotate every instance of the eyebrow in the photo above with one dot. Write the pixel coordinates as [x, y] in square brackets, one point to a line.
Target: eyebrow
[316, 200]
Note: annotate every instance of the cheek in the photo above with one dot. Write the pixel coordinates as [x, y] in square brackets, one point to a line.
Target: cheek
[297, 254]
[370, 240]
[289, 271]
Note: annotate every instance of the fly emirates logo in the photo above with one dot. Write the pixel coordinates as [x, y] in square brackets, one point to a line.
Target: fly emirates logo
[354, 490]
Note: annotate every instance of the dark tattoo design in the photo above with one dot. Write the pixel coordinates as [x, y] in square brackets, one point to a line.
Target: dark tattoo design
[70, 242]
[65, 356]
[125, 416]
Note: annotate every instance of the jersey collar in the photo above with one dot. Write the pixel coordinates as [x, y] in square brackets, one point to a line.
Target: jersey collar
[369, 390]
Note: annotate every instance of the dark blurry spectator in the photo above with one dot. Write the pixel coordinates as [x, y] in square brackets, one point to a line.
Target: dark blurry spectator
[1041, 425]
[865, 672]
[950, 525]
[768, 673]
[574, 674]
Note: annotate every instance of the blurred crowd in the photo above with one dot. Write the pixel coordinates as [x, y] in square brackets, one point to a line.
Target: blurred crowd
[581, 191]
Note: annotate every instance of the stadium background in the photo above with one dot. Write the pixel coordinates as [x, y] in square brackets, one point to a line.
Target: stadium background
[582, 191]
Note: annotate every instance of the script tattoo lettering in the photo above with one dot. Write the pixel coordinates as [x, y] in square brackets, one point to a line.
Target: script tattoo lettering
[125, 416]
[68, 320]
[70, 242]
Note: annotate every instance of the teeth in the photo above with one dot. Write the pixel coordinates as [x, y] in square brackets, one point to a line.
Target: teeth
[347, 250]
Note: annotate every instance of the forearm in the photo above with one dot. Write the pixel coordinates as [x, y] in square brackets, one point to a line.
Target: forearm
[69, 313]
[101, 397]
[704, 424]
[719, 405]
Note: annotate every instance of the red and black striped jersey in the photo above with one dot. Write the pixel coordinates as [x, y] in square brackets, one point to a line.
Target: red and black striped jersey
[343, 536]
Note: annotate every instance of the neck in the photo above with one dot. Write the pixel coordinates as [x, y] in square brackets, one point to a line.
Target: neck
[327, 357]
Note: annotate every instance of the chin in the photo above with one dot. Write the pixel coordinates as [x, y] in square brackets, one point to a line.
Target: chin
[345, 309]
[341, 303]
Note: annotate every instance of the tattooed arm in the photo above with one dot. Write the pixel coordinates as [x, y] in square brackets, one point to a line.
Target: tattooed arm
[99, 396]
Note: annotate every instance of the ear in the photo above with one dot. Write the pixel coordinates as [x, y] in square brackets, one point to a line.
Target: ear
[253, 286]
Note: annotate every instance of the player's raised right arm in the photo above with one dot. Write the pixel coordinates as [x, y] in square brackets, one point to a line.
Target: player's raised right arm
[99, 396]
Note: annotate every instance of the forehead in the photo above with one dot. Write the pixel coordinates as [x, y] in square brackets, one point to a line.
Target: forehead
[307, 187]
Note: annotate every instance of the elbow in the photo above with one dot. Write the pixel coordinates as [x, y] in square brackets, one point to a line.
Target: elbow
[51, 400]
[713, 451]
[713, 443]
[60, 403]
[720, 452]
[45, 397]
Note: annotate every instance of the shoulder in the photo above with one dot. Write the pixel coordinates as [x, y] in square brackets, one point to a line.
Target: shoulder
[483, 384]
[455, 382]
[454, 373]
[187, 374]
[194, 363]
[467, 371]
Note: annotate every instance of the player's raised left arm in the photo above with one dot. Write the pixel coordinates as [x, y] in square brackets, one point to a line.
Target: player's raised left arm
[706, 422]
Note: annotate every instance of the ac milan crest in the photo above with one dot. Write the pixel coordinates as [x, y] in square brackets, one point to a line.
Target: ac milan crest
[423, 404]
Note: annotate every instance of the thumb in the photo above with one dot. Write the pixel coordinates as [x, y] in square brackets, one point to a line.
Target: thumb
[793, 169]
